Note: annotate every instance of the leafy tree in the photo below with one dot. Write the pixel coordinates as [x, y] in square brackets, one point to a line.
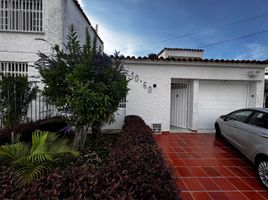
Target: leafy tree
[16, 95]
[84, 82]
[31, 162]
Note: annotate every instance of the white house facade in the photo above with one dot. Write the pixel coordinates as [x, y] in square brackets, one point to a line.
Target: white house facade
[178, 88]
[30, 26]
[181, 89]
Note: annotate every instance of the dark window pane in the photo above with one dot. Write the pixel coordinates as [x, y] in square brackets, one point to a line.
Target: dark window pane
[261, 120]
[241, 116]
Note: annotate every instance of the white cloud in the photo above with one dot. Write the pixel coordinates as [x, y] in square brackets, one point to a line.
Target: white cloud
[253, 51]
[114, 40]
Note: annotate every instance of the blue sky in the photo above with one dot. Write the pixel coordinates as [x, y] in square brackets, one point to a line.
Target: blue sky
[141, 27]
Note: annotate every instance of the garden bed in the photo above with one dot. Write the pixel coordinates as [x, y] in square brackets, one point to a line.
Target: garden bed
[136, 168]
[127, 166]
[25, 130]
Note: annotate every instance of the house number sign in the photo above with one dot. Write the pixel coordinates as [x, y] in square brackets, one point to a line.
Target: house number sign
[145, 85]
[150, 89]
[137, 78]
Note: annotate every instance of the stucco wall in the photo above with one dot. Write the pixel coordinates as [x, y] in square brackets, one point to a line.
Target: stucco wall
[72, 15]
[181, 54]
[57, 16]
[155, 107]
[119, 118]
[22, 46]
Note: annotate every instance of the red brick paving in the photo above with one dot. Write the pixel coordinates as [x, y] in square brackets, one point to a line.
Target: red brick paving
[210, 169]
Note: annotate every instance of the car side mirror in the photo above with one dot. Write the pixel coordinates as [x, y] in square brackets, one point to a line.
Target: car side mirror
[224, 117]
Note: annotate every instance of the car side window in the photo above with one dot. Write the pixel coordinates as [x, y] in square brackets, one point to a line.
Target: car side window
[261, 120]
[240, 116]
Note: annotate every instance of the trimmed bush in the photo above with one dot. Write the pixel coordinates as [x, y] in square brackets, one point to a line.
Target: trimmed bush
[5, 135]
[71, 183]
[55, 124]
[52, 125]
[25, 130]
[136, 168]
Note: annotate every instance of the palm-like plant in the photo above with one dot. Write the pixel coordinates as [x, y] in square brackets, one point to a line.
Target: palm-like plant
[31, 162]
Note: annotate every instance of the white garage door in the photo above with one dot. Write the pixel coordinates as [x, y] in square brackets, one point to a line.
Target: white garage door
[217, 98]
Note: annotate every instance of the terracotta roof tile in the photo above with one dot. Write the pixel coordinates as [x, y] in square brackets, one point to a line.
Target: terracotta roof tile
[194, 60]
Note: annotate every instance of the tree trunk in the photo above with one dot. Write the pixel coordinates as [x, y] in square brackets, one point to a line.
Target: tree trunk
[96, 129]
[77, 138]
[84, 137]
[80, 138]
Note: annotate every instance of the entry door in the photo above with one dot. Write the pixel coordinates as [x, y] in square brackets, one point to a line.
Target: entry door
[179, 104]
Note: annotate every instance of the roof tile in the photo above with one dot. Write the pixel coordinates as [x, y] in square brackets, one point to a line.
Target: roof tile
[194, 60]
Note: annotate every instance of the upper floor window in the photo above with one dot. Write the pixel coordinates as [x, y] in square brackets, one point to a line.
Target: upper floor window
[21, 15]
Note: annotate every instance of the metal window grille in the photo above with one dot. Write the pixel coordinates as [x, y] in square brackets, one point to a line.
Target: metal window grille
[179, 83]
[38, 109]
[122, 104]
[13, 68]
[21, 15]
[179, 86]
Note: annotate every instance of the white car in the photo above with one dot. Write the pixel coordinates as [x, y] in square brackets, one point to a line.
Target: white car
[247, 130]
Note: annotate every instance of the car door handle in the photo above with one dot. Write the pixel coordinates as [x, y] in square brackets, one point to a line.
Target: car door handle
[263, 135]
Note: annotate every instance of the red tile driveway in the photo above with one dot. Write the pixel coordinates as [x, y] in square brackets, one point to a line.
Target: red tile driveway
[209, 168]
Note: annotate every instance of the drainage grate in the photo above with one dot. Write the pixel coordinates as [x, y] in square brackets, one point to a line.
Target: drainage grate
[156, 128]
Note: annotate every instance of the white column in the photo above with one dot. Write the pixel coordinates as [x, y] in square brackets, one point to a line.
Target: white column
[195, 96]
[252, 94]
[260, 93]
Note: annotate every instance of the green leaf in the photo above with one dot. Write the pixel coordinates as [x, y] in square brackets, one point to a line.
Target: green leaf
[83, 82]
[30, 163]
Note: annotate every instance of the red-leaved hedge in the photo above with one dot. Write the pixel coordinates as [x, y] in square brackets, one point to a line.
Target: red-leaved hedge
[71, 183]
[136, 168]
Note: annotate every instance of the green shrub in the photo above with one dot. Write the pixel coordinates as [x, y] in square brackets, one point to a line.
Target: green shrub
[16, 94]
[31, 162]
[83, 82]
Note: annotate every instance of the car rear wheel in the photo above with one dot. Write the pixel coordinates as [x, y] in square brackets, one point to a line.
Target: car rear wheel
[263, 172]
[218, 131]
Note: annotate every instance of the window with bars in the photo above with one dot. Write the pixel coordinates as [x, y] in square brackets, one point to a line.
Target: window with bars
[13, 68]
[122, 104]
[21, 15]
